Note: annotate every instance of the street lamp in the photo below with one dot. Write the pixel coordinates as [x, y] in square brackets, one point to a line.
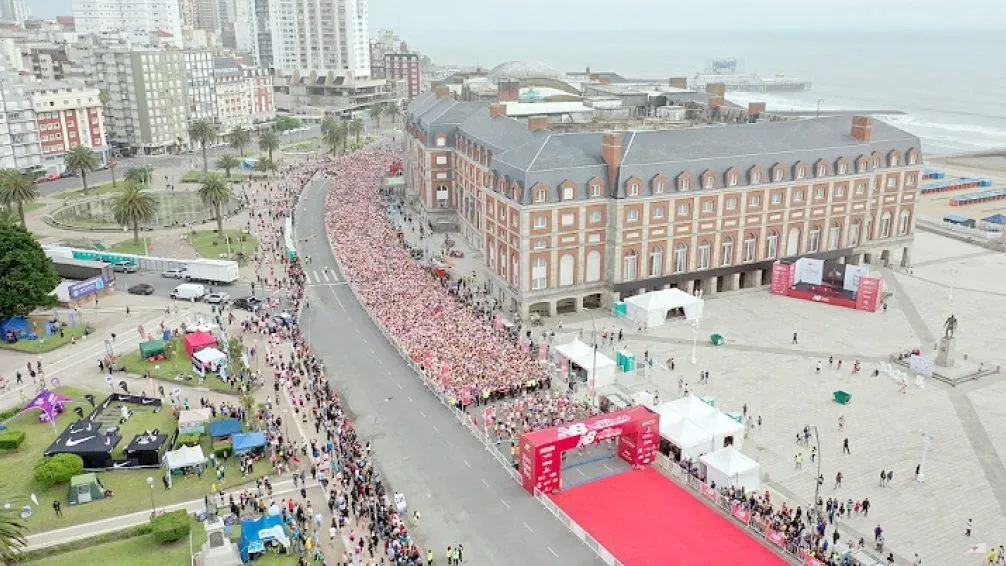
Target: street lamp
[927, 439]
[591, 392]
[150, 484]
[817, 480]
[819, 102]
[695, 341]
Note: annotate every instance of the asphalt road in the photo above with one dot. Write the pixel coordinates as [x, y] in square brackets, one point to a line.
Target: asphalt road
[462, 493]
[164, 285]
[163, 163]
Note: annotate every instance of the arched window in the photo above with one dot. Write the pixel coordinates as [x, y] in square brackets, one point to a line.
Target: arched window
[822, 170]
[568, 193]
[514, 272]
[704, 254]
[854, 233]
[566, 266]
[793, 242]
[680, 258]
[593, 266]
[750, 244]
[539, 274]
[904, 222]
[772, 245]
[727, 251]
[629, 264]
[777, 174]
[656, 261]
[503, 263]
[834, 236]
[814, 239]
[885, 225]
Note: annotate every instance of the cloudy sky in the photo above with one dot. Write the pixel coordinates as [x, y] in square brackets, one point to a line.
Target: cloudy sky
[661, 14]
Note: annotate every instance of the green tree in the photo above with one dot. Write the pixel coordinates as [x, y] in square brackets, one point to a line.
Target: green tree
[215, 192]
[239, 139]
[354, 128]
[203, 131]
[329, 122]
[392, 110]
[265, 165]
[136, 175]
[12, 535]
[335, 136]
[228, 162]
[269, 142]
[81, 160]
[133, 206]
[16, 190]
[285, 123]
[376, 111]
[27, 276]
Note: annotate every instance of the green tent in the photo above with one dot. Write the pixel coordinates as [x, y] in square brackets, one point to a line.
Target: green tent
[85, 488]
[151, 348]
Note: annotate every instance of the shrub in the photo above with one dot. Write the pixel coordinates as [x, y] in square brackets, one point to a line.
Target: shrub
[11, 439]
[172, 526]
[58, 469]
[8, 413]
[222, 449]
[190, 439]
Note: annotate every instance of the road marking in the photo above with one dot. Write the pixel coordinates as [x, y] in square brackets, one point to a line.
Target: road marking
[484, 482]
[552, 551]
[422, 414]
[528, 527]
[581, 472]
[342, 306]
[436, 429]
[324, 274]
[505, 504]
[364, 340]
[607, 467]
[379, 361]
[412, 401]
[398, 384]
[467, 464]
[373, 352]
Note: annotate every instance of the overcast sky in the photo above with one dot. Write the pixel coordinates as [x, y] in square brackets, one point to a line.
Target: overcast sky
[661, 14]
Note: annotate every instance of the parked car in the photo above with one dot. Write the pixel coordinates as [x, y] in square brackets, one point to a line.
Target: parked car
[141, 289]
[250, 304]
[175, 273]
[216, 298]
[191, 291]
[124, 267]
[49, 177]
[67, 174]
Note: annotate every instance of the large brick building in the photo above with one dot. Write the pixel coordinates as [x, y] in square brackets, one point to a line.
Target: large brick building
[565, 221]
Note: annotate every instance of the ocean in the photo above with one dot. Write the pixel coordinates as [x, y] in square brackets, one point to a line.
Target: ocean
[950, 84]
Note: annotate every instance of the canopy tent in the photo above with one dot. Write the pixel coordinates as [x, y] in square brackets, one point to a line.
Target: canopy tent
[728, 466]
[225, 427]
[87, 440]
[209, 359]
[995, 219]
[151, 348]
[85, 488]
[724, 430]
[689, 407]
[652, 308]
[193, 420]
[255, 534]
[146, 448]
[49, 402]
[688, 437]
[197, 341]
[587, 359]
[184, 457]
[14, 329]
[247, 441]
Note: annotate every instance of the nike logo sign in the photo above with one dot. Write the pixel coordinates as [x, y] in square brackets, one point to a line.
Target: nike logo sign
[71, 442]
[148, 401]
[120, 464]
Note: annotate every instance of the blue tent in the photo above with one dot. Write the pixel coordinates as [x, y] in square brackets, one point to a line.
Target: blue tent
[256, 533]
[17, 326]
[226, 427]
[996, 219]
[247, 441]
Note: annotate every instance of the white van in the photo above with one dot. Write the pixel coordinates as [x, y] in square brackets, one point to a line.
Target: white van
[190, 291]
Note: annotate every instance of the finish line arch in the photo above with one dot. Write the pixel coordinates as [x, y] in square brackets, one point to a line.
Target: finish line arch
[637, 429]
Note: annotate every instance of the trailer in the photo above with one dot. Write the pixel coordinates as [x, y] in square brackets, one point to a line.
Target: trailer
[81, 269]
[218, 271]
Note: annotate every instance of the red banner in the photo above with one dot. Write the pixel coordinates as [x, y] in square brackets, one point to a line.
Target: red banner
[740, 513]
[782, 278]
[776, 537]
[868, 295]
[487, 415]
[709, 492]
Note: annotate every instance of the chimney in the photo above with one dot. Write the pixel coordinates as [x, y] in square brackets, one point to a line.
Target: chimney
[498, 109]
[756, 108]
[862, 128]
[611, 151]
[508, 90]
[442, 91]
[536, 123]
[719, 89]
[678, 82]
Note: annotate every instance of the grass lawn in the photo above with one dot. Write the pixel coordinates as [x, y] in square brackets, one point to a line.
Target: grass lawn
[128, 247]
[209, 244]
[196, 176]
[310, 145]
[130, 486]
[136, 551]
[92, 190]
[169, 370]
[44, 343]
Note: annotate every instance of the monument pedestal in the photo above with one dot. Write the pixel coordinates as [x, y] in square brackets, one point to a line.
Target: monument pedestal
[945, 355]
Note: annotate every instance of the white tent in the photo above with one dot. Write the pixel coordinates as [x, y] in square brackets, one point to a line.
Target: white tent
[210, 358]
[193, 420]
[184, 457]
[687, 436]
[584, 356]
[652, 308]
[722, 427]
[728, 466]
[690, 408]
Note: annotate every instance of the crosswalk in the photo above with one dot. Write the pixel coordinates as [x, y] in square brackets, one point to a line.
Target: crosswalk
[322, 277]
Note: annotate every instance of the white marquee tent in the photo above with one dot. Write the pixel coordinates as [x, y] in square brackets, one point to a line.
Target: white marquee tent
[690, 407]
[210, 358]
[652, 308]
[184, 457]
[688, 437]
[722, 427]
[583, 355]
[728, 466]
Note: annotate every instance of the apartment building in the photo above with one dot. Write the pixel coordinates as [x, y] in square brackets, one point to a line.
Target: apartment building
[137, 18]
[149, 107]
[67, 114]
[200, 87]
[19, 142]
[567, 221]
[14, 12]
[404, 66]
[319, 36]
[244, 95]
[45, 61]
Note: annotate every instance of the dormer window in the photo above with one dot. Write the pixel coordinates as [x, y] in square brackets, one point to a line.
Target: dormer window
[876, 163]
[821, 170]
[842, 168]
[913, 158]
[895, 161]
[777, 175]
[755, 177]
[567, 193]
[634, 190]
[732, 180]
[539, 195]
[799, 172]
[658, 188]
[595, 190]
[707, 182]
[685, 185]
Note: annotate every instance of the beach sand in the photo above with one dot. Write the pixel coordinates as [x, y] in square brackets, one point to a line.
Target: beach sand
[938, 205]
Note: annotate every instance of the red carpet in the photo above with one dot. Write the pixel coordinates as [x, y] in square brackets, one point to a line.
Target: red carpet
[645, 519]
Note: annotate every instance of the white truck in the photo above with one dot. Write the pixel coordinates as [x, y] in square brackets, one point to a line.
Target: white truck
[188, 292]
[217, 271]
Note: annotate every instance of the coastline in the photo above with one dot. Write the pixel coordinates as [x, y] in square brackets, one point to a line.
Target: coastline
[991, 164]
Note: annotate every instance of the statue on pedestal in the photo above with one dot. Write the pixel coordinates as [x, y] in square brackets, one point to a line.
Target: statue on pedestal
[950, 326]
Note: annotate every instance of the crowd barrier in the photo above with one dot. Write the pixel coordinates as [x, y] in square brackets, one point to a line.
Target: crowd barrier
[576, 529]
[949, 226]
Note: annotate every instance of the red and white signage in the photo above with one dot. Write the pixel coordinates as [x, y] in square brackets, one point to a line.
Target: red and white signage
[740, 513]
[782, 278]
[868, 297]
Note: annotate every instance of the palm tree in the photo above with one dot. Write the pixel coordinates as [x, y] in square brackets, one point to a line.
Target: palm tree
[133, 206]
[203, 131]
[228, 162]
[12, 533]
[334, 136]
[216, 192]
[269, 142]
[136, 175]
[265, 165]
[392, 110]
[81, 160]
[354, 128]
[240, 138]
[375, 112]
[16, 188]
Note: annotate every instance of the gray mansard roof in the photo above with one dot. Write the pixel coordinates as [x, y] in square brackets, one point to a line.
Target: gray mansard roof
[497, 134]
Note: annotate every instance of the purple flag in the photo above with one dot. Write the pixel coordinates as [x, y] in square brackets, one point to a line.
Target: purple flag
[47, 402]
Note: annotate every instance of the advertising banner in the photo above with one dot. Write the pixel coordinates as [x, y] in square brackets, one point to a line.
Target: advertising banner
[920, 365]
[709, 492]
[541, 450]
[776, 537]
[853, 274]
[781, 277]
[868, 297]
[740, 513]
[809, 270]
[89, 287]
